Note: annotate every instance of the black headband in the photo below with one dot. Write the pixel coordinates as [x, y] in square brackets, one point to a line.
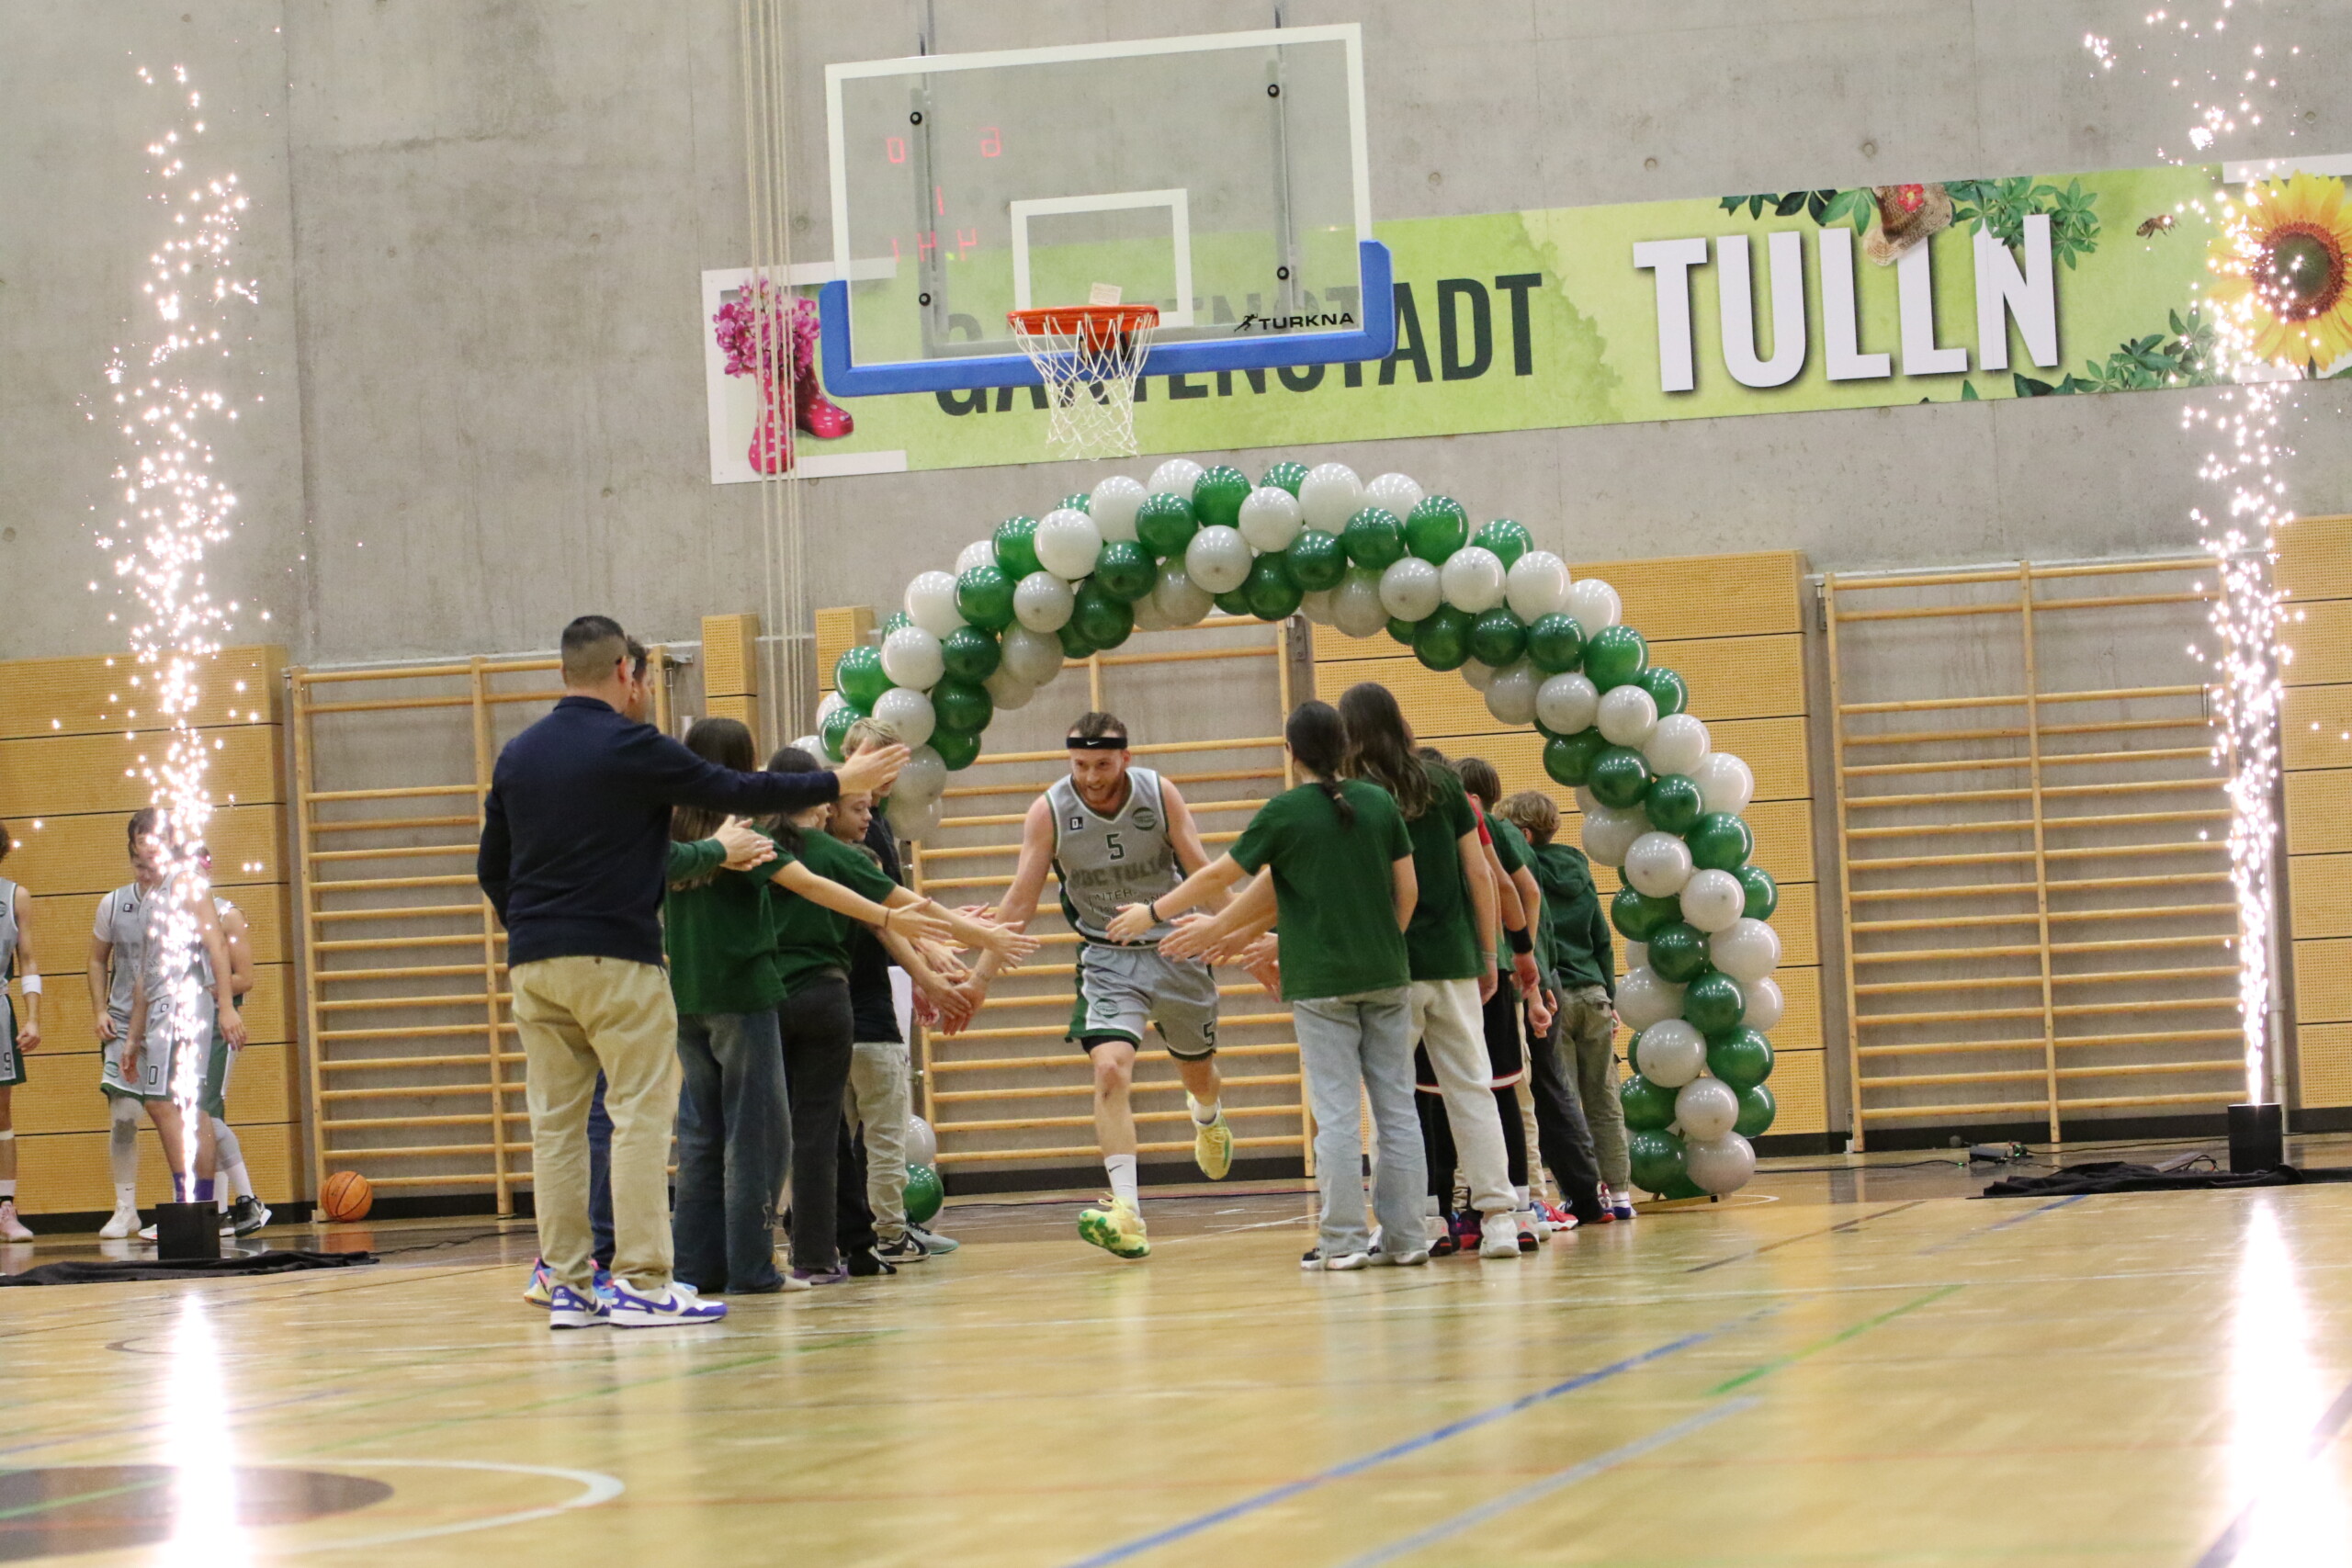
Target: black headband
[1097, 743]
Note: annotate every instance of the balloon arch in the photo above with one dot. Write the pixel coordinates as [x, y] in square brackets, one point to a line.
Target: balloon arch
[1656, 801]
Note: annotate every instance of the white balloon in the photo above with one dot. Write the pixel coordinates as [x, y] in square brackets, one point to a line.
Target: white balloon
[1393, 492]
[1627, 715]
[1537, 585]
[1643, 999]
[1067, 543]
[1633, 955]
[1113, 503]
[1609, 832]
[1720, 1164]
[1008, 690]
[1035, 658]
[1566, 703]
[1765, 1003]
[916, 819]
[1594, 603]
[1678, 745]
[1477, 674]
[910, 657]
[1712, 900]
[980, 552]
[1409, 590]
[1184, 601]
[930, 603]
[906, 713]
[1218, 558]
[1746, 950]
[1149, 617]
[1270, 518]
[1670, 1051]
[1175, 477]
[1725, 783]
[1356, 608]
[1705, 1109]
[827, 703]
[1329, 495]
[1510, 695]
[1315, 606]
[1658, 865]
[1472, 578]
[1587, 802]
[1043, 602]
[922, 778]
[922, 1144]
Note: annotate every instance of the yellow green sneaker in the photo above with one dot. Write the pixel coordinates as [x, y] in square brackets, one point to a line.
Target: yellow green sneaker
[1212, 1144]
[1116, 1228]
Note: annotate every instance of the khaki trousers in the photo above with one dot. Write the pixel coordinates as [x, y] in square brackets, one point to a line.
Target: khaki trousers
[1450, 1024]
[880, 1101]
[577, 1016]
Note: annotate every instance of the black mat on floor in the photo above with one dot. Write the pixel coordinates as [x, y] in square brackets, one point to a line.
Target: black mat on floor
[2118, 1176]
[87, 1271]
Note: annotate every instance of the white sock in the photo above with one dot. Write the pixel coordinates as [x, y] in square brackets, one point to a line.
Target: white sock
[240, 1181]
[1521, 1192]
[126, 1195]
[1204, 1114]
[1622, 1195]
[1122, 1171]
[8, 1190]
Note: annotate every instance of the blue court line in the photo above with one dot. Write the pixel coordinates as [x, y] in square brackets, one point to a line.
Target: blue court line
[2034, 1212]
[2233, 1541]
[1358, 1465]
[1557, 1481]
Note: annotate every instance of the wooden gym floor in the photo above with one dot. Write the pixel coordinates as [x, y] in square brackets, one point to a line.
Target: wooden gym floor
[1827, 1370]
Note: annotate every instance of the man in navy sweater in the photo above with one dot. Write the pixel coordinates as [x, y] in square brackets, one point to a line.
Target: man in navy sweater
[575, 834]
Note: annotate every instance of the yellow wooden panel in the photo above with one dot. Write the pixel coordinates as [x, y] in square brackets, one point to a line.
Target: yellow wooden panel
[839, 630]
[1331, 643]
[86, 854]
[69, 775]
[2315, 558]
[60, 925]
[60, 1093]
[2319, 638]
[2324, 981]
[66, 1173]
[730, 661]
[1800, 936]
[1686, 596]
[93, 694]
[66, 1010]
[2319, 812]
[744, 710]
[2316, 728]
[2319, 888]
[1800, 1084]
[2324, 1051]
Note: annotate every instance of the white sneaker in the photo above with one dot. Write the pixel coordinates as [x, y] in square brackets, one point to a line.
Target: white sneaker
[1498, 1236]
[1337, 1262]
[674, 1305]
[147, 1233]
[119, 1227]
[11, 1227]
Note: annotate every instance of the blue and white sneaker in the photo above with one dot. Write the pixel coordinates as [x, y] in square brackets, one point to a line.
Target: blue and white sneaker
[567, 1308]
[541, 1289]
[1620, 1205]
[675, 1305]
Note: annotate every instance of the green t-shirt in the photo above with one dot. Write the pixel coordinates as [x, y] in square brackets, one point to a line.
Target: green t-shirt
[1335, 891]
[720, 936]
[1443, 940]
[811, 939]
[1513, 852]
[1581, 951]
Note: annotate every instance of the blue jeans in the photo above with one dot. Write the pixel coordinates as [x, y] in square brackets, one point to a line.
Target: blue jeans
[600, 1175]
[733, 1144]
[1363, 1040]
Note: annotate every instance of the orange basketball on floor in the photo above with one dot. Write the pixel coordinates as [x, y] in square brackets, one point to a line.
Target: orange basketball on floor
[346, 1196]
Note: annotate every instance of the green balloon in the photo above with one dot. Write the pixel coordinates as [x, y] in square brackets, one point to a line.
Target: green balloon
[1436, 528]
[1272, 593]
[1373, 537]
[1125, 569]
[1443, 641]
[1074, 643]
[1742, 1058]
[1649, 1107]
[1498, 637]
[1679, 953]
[1668, 689]
[1619, 776]
[1102, 617]
[1016, 546]
[1165, 523]
[1763, 893]
[958, 751]
[836, 727]
[1657, 1161]
[1218, 496]
[1317, 560]
[1286, 476]
[857, 676]
[1615, 655]
[1639, 916]
[1720, 842]
[984, 597]
[1233, 602]
[1713, 1002]
[924, 1195]
[1673, 803]
[1081, 501]
[1569, 759]
[961, 707]
[1683, 1187]
[894, 620]
[1757, 1109]
[1401, 630]
[970, 653]
[1507, 539]
[1555, 642]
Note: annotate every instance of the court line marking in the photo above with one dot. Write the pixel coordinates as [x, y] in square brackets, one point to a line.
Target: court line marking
[1767, 1369]
[1599, 1464]
[597, 1488]
[2034, 1212]
[1357, 1466]
[2324, 1431]
[1807, 1235]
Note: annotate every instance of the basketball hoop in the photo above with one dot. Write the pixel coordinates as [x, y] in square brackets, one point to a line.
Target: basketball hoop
[1089, 357]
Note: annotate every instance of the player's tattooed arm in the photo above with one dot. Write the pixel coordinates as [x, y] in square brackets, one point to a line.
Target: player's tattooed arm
[1220, 937]
[100, 963]
[1134, 921]
[1184, 837]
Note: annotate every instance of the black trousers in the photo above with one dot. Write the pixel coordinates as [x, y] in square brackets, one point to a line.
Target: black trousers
[853, 1217]
[1560, 1125]
[815, 1024]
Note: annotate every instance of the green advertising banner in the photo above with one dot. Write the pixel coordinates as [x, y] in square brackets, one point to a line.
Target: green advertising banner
[1770, 303]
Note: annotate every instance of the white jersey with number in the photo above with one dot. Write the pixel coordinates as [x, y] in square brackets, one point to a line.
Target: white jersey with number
[1103, 862]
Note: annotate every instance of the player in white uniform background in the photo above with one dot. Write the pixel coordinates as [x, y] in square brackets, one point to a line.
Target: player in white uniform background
[1117, 834]
[117, 939]
[16, 963]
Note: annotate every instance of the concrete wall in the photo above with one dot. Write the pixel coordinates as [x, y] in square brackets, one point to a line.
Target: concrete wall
[480, 222]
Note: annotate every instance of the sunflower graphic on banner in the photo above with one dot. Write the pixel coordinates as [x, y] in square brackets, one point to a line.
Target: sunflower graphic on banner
[2285, 269]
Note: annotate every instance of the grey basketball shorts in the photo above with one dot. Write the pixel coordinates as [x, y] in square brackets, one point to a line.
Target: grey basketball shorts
[1119, 988]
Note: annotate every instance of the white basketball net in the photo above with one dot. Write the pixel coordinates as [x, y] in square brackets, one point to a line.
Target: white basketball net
[1090, 368]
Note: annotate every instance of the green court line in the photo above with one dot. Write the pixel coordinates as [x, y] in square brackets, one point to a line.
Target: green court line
[1769, 1367]
[45, 1504]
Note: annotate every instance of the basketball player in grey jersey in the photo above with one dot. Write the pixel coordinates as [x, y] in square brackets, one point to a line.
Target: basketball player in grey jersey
[117, 942]
[1117, 834]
